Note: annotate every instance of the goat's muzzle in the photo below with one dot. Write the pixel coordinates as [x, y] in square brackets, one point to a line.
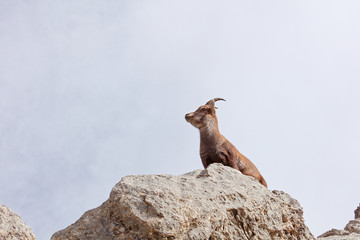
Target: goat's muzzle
[189, 116]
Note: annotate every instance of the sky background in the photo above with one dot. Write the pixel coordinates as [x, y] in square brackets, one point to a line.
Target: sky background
[92, 91]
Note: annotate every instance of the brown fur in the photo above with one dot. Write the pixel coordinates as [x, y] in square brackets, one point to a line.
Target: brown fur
[214, 147]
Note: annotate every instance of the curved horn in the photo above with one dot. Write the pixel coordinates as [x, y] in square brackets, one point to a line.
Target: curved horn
[211, 103]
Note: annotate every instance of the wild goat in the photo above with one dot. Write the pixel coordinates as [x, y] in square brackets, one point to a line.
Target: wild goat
[214, 147]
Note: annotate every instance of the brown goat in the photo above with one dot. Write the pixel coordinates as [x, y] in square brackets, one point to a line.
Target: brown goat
[214, 147]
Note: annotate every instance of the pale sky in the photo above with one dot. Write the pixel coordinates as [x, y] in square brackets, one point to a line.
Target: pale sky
[92, 91]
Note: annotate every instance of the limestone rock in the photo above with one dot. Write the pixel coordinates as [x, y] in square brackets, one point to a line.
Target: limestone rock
[357, 212]
[12, 227]
[216, 203]
[350, 232]
[353, 226]
[348, 236]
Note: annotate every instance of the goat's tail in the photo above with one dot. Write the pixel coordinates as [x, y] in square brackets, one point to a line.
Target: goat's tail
[263, 182]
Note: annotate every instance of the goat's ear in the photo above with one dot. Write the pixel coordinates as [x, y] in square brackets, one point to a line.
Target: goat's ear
[211, 103]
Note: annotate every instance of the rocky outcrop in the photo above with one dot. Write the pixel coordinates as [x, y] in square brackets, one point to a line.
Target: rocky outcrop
[216, 203]
[350, 232]
[12, 227]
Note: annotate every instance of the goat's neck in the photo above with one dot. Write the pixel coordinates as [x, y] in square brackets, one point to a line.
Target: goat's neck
[210, 135]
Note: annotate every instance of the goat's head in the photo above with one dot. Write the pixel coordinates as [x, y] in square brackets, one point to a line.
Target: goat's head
[204, 115]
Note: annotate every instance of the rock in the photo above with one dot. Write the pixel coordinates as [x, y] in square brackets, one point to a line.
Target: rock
[334, 232]
[12, 227]
[353, 226]
[349, 236]
[357, 212]
[216, 203]
[350, 232]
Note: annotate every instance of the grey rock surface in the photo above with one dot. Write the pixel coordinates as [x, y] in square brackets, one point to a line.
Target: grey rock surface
[12, 227]
[353, 226]
[350, 232]
[216, 203]
[357, 212]
[348, 236]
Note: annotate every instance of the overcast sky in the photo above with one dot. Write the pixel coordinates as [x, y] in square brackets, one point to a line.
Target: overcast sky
[92, 91]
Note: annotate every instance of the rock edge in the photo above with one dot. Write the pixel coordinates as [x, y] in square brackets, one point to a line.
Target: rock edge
[12, 226]
[350, 232]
